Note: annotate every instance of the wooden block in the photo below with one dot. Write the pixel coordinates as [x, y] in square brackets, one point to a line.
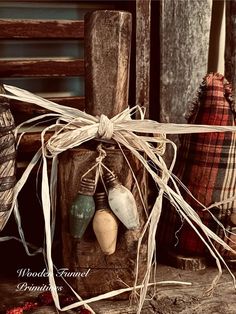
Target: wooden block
[85, 254]
[45, 67]
[193, 263]
[107, 61]
[107, 54]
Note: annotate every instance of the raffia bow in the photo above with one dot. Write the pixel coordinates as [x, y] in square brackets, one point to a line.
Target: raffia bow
[73, 128]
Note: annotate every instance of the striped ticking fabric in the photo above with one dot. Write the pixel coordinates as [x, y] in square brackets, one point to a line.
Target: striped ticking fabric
[207, 167]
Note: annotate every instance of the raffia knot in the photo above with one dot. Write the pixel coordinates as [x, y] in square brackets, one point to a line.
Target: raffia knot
[105, 128]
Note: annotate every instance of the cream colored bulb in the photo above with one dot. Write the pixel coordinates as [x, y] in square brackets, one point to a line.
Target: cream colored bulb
[233, 218]
[123, 205]
[105, 227]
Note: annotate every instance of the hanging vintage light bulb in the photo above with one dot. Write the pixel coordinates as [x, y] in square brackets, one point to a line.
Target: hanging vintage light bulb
[105, 224]
[122, 202]
[82, 209]
[233, 217]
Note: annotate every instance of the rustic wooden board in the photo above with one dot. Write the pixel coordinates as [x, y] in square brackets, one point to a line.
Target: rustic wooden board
[23, 110]
[107, 60]
[168, 298]
[184, 40]
[184, 46]
[86, 253]
[143, 46]
[107, 54]
[230, 43]
[44, 67]
[217, 38]
[64, 29]
[31, 142]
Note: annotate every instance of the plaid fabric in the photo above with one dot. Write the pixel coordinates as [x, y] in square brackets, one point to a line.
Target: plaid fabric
[206, 166]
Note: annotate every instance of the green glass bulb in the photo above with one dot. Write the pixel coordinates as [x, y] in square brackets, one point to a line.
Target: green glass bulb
[82, 209]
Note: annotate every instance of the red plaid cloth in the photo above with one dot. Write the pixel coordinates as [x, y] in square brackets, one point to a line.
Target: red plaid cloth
[206, 166]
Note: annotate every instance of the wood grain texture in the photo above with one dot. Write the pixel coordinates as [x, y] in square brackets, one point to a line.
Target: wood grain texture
[23, 110]
[168, 299]
[143, 46]
[230, 43]
[86, 253]
[107, 60]
[107, 43]
[184, 54]
[41, 67]
[24, 29]
[30, 143]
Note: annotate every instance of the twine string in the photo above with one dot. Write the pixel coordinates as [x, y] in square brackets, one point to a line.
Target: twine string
[105, 128]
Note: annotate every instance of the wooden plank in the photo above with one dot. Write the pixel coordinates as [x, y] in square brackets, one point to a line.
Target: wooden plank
[217, 38]
[23, 111]
[30, 143]
[184, 62]
[44, 67]
[167, 299]
[230, 43]
[184, 50]
[120, 307]
[184, 54]
[27, 28]
[107, 41]
[107, 60]
[86, 254]
[19, 107]
[143, 45]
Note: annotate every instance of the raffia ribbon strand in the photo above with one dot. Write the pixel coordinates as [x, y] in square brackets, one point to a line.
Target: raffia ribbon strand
[105, 128]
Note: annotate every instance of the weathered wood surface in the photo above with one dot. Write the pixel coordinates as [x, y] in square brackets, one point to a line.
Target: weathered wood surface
[169, 299]
[86, 253]
[23, 110]
[23, 29]
[107, 72]
[31, 142]
[230, 43]
[107, 61]
[184, 40]
[18, 29]
[44, 67]
[143, 46]
[216, 55]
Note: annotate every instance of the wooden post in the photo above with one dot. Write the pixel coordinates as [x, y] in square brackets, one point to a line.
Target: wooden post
[143, 45]
[107, 61]
[107, 45]
[184, 40]
[230, 43]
